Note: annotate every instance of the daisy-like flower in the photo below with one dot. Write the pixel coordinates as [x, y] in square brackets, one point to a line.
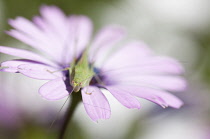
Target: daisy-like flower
[73, 63]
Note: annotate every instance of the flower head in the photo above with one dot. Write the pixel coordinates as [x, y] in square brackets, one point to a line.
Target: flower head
[74, 63]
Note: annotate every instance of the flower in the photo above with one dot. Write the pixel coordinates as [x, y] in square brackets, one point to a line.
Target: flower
[75, 63]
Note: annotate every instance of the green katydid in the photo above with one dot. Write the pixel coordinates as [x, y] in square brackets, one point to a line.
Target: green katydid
[81, 73]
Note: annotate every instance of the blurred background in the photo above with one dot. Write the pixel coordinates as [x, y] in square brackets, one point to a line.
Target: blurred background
[180, 29]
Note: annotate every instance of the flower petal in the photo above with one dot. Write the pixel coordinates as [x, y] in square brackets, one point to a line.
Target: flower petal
[162, 64]
[103, 41]
[157, 96]
[149, 66]
[40, 71]
[48, 34]
[12, 66]
[96, 104]
[55, 19]
[80, 31]
[83, 31]
[130, 55]
[27, 32]
[25, 54]
[170, 83]
[124, 97]
[54, 89]
[154, 94]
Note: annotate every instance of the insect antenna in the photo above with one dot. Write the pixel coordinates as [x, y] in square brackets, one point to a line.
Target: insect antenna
[67, 68]
[58, 114]
[1, 68]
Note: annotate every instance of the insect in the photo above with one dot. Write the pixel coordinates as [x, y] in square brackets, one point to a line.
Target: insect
[81, 73]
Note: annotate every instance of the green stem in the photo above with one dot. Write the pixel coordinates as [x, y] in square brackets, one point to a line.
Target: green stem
[76, 98]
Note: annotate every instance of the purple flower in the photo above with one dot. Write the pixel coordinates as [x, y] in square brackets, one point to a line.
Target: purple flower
[132, 71]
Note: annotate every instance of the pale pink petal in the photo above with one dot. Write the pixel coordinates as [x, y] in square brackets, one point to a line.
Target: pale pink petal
[12, 66]
[44, 43]
[26, 39]
[107, 36]
[96, 104]
[104, 41]
[168, 98]
[29, 33]
[49, 48]
[80, 31]
[49, 33]
[150, 66]
[39, 71]
[39, 21]
[130, 55]
[170, 83]
[124, 97]
[54, 90]
[27, 27]
[157, 96]
[25, 54]
[162, 64]
[56, 40]
[56, 27]
[59, 36]
[171, 100]
[83, 31]
[55, 19]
